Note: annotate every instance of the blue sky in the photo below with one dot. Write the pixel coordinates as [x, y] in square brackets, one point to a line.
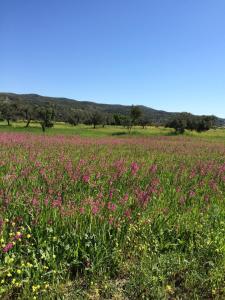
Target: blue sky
[165, 54]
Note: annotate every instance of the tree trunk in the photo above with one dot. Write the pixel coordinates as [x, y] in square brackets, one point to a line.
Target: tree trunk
[8, 122]
[43, 127]
[28, 123]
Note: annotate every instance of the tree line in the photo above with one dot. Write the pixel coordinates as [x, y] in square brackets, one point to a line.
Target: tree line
[47, 114]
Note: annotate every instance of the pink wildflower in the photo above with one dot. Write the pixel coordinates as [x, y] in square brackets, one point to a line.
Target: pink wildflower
[86, 178]
[8, 247]
[134, 168]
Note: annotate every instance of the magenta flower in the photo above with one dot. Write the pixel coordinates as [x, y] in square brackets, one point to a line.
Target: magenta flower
[86, 178]
[82, 210]
[153, 168]
[111, 206]
[95, 209]
[134, 168]
[8, 247]
[127, 213]
[18, 236]
[182, 200]
[57, 202]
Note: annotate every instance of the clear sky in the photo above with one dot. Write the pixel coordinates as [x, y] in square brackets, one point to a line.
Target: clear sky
[165, 54]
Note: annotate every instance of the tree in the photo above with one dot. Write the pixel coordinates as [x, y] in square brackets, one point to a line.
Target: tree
[7, 112]
[205, 123]
[46, 117]
[95, 118]
[143, 122]
[135, 113]
[27, 113]
[190, 122]
[73, 119]
[178, 124]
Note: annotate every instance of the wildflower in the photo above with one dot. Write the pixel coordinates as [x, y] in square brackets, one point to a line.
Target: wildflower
[81, 210]
[95, 209]
[36, 288]
[192, 194]
[8, 247]
[28, 236]
[182, 200]
[127, 213]
[153, 168]
[19, 272]
[86, 178]
[29, 265]
[18, 236]
[111, 206]
[169, 289]
[134, 168]
[18, 284]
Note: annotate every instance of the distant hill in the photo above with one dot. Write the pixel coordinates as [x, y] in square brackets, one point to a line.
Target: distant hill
[63, 106]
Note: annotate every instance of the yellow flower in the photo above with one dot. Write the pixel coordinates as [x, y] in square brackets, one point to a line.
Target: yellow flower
[9, 274]
[19, 271]
[169, 289]
[28, 235]
[18, 284]
[34, 288]
[29, 265]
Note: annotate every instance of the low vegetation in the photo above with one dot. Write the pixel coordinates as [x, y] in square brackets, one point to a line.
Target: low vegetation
[111, 217]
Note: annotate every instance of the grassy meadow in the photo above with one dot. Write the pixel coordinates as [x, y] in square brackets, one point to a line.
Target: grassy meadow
[89, 131]
[103, 214]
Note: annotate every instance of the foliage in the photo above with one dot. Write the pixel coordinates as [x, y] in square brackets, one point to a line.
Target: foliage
[46, 117]
[74, 112]
[190, 122]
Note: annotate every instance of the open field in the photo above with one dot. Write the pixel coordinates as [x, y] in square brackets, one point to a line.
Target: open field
[88, 131]
[112, 217]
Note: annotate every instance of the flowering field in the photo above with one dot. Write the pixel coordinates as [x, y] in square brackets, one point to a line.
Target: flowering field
[111, 218]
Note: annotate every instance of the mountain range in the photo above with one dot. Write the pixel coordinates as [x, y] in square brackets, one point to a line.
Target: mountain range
[63, 106]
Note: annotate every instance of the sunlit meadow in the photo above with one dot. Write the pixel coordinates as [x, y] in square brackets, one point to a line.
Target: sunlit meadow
[111, 218]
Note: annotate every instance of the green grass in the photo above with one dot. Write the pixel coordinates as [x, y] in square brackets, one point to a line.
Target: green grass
[89, 131]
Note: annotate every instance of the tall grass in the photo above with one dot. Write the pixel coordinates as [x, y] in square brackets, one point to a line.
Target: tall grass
[111, 218]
